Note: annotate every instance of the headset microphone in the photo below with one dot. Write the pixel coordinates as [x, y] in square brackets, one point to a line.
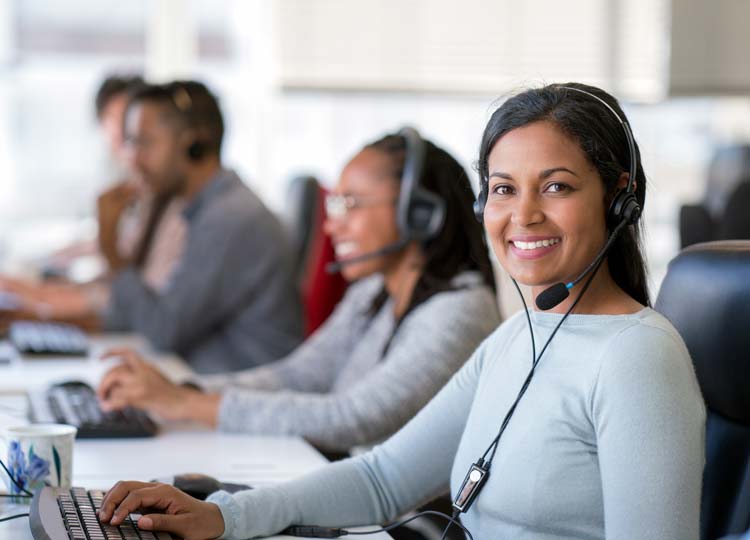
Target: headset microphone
[554, 295]
[334, 267]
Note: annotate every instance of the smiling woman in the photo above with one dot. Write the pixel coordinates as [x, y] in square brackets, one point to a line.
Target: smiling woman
[418, 309]
[578, 133]
[547, 224]
[603, 430]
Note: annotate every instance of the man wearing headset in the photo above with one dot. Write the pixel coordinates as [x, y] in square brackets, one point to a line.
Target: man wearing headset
[231, 296]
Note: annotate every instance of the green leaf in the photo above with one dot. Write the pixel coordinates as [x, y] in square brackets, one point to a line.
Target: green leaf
[56, 457]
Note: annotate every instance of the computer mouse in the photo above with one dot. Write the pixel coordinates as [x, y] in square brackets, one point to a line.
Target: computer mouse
[74, 384]
[199, 486]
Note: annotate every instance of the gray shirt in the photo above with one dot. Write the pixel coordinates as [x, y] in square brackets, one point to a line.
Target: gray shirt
[231, 302]
[342, 388]
[607, 442]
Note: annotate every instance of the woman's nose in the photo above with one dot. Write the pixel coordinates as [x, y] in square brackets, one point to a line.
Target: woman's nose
[527, 211]
[332, 225]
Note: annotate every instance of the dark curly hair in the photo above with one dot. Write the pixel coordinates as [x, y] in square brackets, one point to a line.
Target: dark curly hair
[460, 245]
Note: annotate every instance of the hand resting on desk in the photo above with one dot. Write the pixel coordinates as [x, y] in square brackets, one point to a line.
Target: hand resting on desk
[178, 512]
[137, 383]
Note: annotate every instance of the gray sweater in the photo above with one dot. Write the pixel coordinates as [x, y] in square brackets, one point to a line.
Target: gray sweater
[341, 388]
[232, 301]
[608, 441]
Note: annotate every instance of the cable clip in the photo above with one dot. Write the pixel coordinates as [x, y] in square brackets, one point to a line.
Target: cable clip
[472, 484]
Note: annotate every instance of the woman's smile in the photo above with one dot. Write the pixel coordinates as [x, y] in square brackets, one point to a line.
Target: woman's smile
[533, 247]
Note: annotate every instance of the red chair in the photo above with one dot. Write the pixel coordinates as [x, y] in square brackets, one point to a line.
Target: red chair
[320, 290]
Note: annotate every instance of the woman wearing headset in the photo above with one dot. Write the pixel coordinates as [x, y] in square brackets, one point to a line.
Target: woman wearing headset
[422, 302]
[606, 441]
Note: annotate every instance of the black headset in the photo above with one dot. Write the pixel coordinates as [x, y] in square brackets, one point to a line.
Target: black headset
[421, 213]
[624, 206]
[183, 102]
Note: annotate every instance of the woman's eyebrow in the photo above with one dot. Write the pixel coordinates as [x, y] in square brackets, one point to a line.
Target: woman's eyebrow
[500, 174]
[546, 173]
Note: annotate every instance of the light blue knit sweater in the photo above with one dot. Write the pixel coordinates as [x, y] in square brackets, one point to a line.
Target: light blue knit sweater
[607, 442]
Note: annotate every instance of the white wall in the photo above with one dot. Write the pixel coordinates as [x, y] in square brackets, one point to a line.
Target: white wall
[50, 150]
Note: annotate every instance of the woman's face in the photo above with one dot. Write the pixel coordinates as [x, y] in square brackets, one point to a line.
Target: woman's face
[362, 216]
[545, 213]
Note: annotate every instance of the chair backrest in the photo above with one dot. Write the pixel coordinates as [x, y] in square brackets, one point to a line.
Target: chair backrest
[301, 210]
[735, 224]
[320, 290]
[706, 296]
[696, 225]
[729, 167]
[714, 217]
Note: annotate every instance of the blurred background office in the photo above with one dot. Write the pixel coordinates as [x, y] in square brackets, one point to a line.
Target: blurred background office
[303, 82]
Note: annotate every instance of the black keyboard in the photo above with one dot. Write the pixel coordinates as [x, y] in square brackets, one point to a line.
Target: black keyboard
[48, 339]
[75, 403]
[62, 514]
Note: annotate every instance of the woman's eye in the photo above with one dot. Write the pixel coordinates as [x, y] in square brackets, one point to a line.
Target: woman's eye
[558, 187]
[502, 189]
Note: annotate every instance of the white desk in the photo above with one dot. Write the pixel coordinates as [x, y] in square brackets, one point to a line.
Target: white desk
[247, 459]
[22, 374]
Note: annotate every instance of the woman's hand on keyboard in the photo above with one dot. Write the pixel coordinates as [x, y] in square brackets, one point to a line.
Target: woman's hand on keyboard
[178, 512]
[137, 383]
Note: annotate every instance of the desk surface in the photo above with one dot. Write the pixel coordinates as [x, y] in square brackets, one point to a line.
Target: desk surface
[20, 374]
[247, 459]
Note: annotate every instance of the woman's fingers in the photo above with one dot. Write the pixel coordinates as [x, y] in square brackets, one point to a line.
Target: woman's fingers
[116, 495]
[156, 496]
[180, 524]
[195, 520]
[119, 398]
[111, 379]
[183, 515]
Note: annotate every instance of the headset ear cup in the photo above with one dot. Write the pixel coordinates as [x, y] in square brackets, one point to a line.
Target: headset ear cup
[195, 151]
[624, 207]
[425, 215]
[480, 203]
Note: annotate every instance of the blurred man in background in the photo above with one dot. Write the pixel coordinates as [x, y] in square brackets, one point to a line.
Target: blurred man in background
[226, 299]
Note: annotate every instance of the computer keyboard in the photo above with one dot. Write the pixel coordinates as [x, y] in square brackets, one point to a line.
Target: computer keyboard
[62, 514]
[30, 337]
[75, 403]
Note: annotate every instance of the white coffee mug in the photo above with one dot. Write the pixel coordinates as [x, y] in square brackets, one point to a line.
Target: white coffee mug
[38, 455]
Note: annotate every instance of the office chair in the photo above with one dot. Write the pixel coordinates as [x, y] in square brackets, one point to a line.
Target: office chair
[736, 222]
[301, 211]
[313, 251]
[706, 296]
[707, 221]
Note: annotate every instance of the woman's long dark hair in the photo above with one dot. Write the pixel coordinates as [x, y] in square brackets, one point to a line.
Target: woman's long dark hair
[460, 245]
[602, 139]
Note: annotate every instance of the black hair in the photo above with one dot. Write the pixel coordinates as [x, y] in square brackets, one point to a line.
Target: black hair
[113, 86]
[191, 105]
[460, 245]
[602, 139]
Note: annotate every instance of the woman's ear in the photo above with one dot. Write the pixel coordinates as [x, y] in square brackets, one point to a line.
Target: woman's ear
[622, 182]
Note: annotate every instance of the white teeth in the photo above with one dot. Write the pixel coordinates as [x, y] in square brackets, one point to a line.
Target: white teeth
[536, 245]
[345, 248]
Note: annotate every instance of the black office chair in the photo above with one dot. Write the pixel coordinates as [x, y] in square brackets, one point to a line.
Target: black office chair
[736, 222]
[706, 296]
[300, 215]
[709, 220]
